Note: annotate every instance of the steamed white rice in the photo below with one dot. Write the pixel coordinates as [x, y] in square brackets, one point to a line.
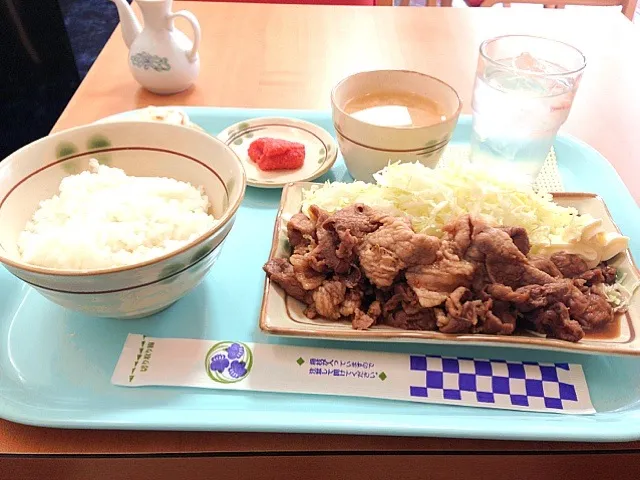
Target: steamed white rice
[103, 218]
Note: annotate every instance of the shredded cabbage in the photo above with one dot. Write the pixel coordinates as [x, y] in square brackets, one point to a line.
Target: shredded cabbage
[619, 295]
[431, 198]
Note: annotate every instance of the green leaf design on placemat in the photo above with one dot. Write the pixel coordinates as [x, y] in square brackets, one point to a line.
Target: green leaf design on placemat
[66, 149]
[170, 272]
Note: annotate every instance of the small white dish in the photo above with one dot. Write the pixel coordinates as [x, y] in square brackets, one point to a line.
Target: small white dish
[170, 115]
[321, 149]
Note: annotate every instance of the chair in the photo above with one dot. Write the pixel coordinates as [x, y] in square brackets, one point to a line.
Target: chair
[368, 3]
[628, 6]
[405, 3]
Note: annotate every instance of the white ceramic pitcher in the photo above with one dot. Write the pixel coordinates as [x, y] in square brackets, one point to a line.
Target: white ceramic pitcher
[162, 58]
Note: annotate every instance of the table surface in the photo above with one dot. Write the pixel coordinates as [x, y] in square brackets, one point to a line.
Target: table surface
[282, 56]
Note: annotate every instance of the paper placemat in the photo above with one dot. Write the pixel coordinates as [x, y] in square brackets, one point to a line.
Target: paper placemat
[548, 180]
[232, 365]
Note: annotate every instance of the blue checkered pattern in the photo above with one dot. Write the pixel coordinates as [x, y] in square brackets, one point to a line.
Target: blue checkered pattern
[494, 382]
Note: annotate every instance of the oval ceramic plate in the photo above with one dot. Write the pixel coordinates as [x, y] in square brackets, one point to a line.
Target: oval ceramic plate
[283, 315]
[321, 149]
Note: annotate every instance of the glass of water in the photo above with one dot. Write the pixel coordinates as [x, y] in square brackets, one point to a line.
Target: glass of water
[523, 92]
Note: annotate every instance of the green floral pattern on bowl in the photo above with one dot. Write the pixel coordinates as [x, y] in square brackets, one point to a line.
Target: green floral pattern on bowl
[200, 254]
[433, 147]
[98, 141]
[66, 149]
[168, 273]
[69, 149]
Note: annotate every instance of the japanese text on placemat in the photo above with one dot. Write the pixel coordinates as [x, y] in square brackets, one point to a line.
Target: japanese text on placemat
[146, 356]
[343, 368]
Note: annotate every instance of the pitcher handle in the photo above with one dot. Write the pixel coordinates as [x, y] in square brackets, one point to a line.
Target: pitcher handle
[191, 18]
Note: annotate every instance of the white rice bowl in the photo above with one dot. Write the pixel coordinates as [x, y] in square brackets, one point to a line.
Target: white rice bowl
[107, 244]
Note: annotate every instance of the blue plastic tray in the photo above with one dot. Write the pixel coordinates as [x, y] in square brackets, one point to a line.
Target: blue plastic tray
[55, 365]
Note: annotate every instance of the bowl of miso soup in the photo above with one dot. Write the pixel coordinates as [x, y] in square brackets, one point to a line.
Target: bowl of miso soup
[387, 116]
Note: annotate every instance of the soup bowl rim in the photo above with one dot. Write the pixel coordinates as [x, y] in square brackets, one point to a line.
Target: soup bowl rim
[340, 108]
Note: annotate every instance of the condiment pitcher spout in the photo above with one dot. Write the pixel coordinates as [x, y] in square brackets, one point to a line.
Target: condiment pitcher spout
[129, 23]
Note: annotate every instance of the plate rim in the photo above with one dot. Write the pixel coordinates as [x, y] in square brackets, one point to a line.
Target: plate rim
[415, 336]
[330, 158]
[122, 116]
